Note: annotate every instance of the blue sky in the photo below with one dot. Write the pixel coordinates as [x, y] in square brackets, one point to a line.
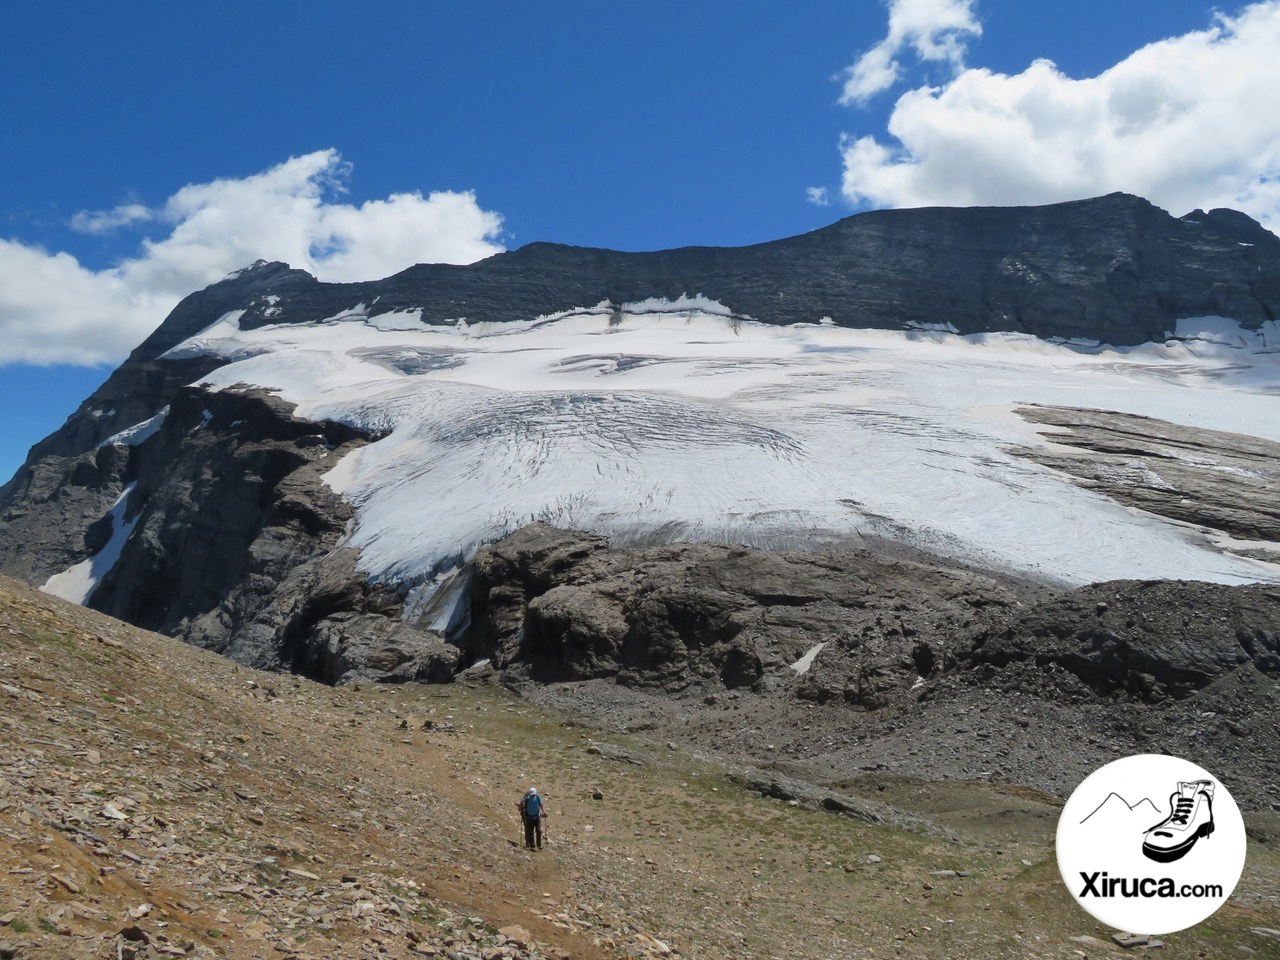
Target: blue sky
[152, 147]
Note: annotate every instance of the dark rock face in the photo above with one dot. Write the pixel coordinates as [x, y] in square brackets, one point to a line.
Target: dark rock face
[236, 541]
[1115, 269]
[223, 473]
[54, 512]
[1148, 640]
[566, 607]
[1020, 684]
[349, 646]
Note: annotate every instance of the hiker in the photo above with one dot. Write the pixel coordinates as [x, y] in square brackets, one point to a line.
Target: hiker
[532, 810]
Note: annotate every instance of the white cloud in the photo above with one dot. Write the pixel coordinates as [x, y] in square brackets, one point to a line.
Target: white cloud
[819, 196]
[105, 221]
[1186, 122]
[55, 310]
[934, 30]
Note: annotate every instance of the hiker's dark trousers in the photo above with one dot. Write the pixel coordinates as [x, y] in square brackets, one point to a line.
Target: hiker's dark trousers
[532, 830]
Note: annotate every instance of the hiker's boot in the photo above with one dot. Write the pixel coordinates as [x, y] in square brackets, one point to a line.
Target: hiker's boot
[1190, 818]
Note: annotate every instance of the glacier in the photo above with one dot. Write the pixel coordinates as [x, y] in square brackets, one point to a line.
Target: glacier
[675, 420]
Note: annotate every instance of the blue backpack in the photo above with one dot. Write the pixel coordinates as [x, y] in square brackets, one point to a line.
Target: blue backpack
[533, 806]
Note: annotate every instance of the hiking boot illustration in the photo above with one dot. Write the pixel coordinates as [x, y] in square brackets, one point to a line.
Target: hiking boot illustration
[1190, 818]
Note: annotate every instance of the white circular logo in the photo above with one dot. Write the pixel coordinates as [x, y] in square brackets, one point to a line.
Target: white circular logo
[1151, 844]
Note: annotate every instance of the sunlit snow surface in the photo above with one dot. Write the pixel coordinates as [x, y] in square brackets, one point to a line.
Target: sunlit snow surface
[674, 421]
[77, 583]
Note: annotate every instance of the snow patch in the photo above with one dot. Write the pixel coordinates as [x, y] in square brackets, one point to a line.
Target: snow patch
[358, 312]
[801, 666]
[139, 432]
[77, 583]
[1224, 332]
[681, 304]
[397, 320]
[220, 338]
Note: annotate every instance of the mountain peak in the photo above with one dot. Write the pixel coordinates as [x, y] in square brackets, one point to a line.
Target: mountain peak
[1234, 225]
[261, 271]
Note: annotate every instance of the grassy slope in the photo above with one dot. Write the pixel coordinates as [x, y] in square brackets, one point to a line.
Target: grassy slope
[403, 840]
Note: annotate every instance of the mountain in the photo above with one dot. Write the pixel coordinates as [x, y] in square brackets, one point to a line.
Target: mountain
[306, 476]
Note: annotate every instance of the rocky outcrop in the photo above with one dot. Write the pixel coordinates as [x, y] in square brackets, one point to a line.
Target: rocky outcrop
[563, 606]
[226, 490]
[351, 646]
[1027, 685]
[1223, 483]
[234, 541]
[1146, 640]
[53, 516]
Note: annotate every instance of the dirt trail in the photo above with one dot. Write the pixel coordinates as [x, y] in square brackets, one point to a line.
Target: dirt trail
[515, 886]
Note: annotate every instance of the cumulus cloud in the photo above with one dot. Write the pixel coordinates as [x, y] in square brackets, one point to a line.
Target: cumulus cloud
[934, 30]
[1185, 122]
[55, 310]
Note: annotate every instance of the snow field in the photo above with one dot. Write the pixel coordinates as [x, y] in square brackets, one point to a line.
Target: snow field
[677, 421]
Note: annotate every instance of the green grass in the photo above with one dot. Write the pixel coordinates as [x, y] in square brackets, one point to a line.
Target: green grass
[66, 645]
[271, 873]
[426, 912]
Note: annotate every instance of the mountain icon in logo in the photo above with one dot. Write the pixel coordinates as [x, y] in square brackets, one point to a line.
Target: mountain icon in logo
[1117, 810]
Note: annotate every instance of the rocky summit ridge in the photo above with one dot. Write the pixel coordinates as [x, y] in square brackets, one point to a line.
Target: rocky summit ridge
[1115, 269]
